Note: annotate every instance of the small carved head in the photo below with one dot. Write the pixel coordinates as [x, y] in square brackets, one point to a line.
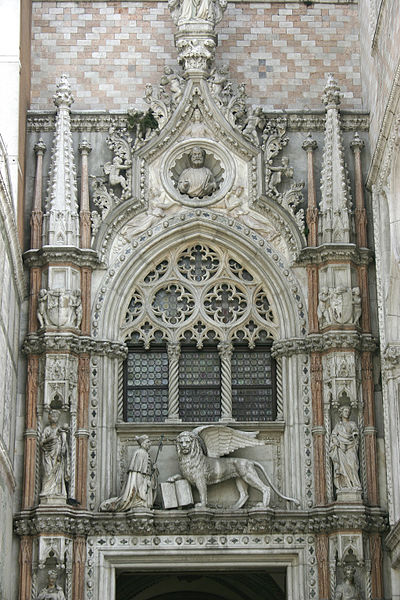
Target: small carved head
[184, 442]
[197, 156]
[52, 577]
[344, 411]
[54, 415]
[144, 441]
[349, 572]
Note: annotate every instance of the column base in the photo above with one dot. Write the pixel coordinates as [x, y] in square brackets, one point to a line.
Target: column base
[53, 500]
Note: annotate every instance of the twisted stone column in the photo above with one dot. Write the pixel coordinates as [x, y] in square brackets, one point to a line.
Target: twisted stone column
[174, 352]
[225, 351]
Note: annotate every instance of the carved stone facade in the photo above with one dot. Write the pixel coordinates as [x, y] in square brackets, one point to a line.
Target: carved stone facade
[203, 387]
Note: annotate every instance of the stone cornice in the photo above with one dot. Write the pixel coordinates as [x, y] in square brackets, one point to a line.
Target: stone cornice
[172, 429]
[41, 121]
[200, 521]
[321, 342]
[334, 252]
[62, 254]
[68, 342]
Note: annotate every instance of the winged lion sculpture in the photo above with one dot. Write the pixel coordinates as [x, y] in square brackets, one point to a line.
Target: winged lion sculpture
[202, 462]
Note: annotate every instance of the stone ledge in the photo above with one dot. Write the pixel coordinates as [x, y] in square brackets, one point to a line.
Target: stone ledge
[329, 340]
[320, 254]
[87, 120]
[65, 520]
[69, 342]
[82, 257]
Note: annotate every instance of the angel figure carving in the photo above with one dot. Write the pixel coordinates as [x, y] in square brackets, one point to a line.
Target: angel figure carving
[199, 456]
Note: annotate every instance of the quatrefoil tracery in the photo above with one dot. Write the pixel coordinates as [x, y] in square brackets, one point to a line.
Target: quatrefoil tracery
[200, 292]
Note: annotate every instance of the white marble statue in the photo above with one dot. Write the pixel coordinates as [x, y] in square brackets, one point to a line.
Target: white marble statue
[52, 591]
[159, 204]
[343, 451]
[55, 457]
[197, 181]
[199, 456]
[196, 128]
[141, 485]
[197, 11]
[347, 590]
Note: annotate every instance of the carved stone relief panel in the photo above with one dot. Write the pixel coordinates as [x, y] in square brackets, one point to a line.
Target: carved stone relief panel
[60, 377]
[224, 495]
[339, 300]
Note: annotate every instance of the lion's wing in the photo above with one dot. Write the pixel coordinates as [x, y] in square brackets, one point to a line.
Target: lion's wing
[221, 440]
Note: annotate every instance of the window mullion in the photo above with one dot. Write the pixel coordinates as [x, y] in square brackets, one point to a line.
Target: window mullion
[174, 352]
[225, 352]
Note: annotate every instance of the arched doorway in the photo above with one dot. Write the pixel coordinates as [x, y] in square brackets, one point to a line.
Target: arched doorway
[238, 585]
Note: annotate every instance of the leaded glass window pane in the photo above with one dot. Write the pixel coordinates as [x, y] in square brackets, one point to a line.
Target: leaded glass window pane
[253, 384]
[146, 385]
[199, 384]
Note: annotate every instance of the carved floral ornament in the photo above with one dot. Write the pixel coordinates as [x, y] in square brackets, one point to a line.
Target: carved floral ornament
[200, 293]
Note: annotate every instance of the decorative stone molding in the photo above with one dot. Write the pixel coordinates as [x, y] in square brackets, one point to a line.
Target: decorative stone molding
[48, 342]
[334, 252]
[321, 342]
[201, 521]
[80, 257]
[89, 121]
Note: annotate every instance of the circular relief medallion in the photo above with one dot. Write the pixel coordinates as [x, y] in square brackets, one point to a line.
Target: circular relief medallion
[198, 173]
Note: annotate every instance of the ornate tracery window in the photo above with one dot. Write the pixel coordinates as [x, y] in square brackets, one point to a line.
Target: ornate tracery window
[199, 327]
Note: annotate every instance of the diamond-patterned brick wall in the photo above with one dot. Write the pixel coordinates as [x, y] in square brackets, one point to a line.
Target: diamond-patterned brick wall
[111, 50]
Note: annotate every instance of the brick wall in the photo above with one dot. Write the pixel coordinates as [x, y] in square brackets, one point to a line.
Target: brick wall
[110, 50]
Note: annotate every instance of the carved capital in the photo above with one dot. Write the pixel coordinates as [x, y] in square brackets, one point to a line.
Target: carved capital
[309, 144]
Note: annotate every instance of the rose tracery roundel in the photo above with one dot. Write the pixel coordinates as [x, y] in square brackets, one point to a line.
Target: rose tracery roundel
[173, 304]
[225, 303]
[198, 263]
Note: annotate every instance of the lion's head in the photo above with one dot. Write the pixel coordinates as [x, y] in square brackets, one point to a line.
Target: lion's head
[187, 443]
[190, 454]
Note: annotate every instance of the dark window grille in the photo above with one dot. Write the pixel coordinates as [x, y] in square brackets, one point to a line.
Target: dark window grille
[199, 384]
[146, 384]
[253, 384]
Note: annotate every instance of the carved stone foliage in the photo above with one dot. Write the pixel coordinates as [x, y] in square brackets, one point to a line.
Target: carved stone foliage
[339, 306]
[59, 308]
[199, 293]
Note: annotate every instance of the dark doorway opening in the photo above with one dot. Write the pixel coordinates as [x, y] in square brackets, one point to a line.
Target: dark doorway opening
[208, 585]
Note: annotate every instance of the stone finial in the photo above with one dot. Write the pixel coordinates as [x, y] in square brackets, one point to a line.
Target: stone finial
[309, 143]
[63, 97]
[357, 143]
[335, 217]
[40, 147]
[85, 147]
[61, 221]
[332, 94]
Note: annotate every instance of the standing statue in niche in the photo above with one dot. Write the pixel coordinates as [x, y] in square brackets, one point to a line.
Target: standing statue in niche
[52, 591]
[197, 181]
[141, 485]
[55, 458]
[348, 589]
[343, 450]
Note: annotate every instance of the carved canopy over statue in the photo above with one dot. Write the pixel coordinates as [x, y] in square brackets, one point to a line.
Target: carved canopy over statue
[199, 456]
[192, 11]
